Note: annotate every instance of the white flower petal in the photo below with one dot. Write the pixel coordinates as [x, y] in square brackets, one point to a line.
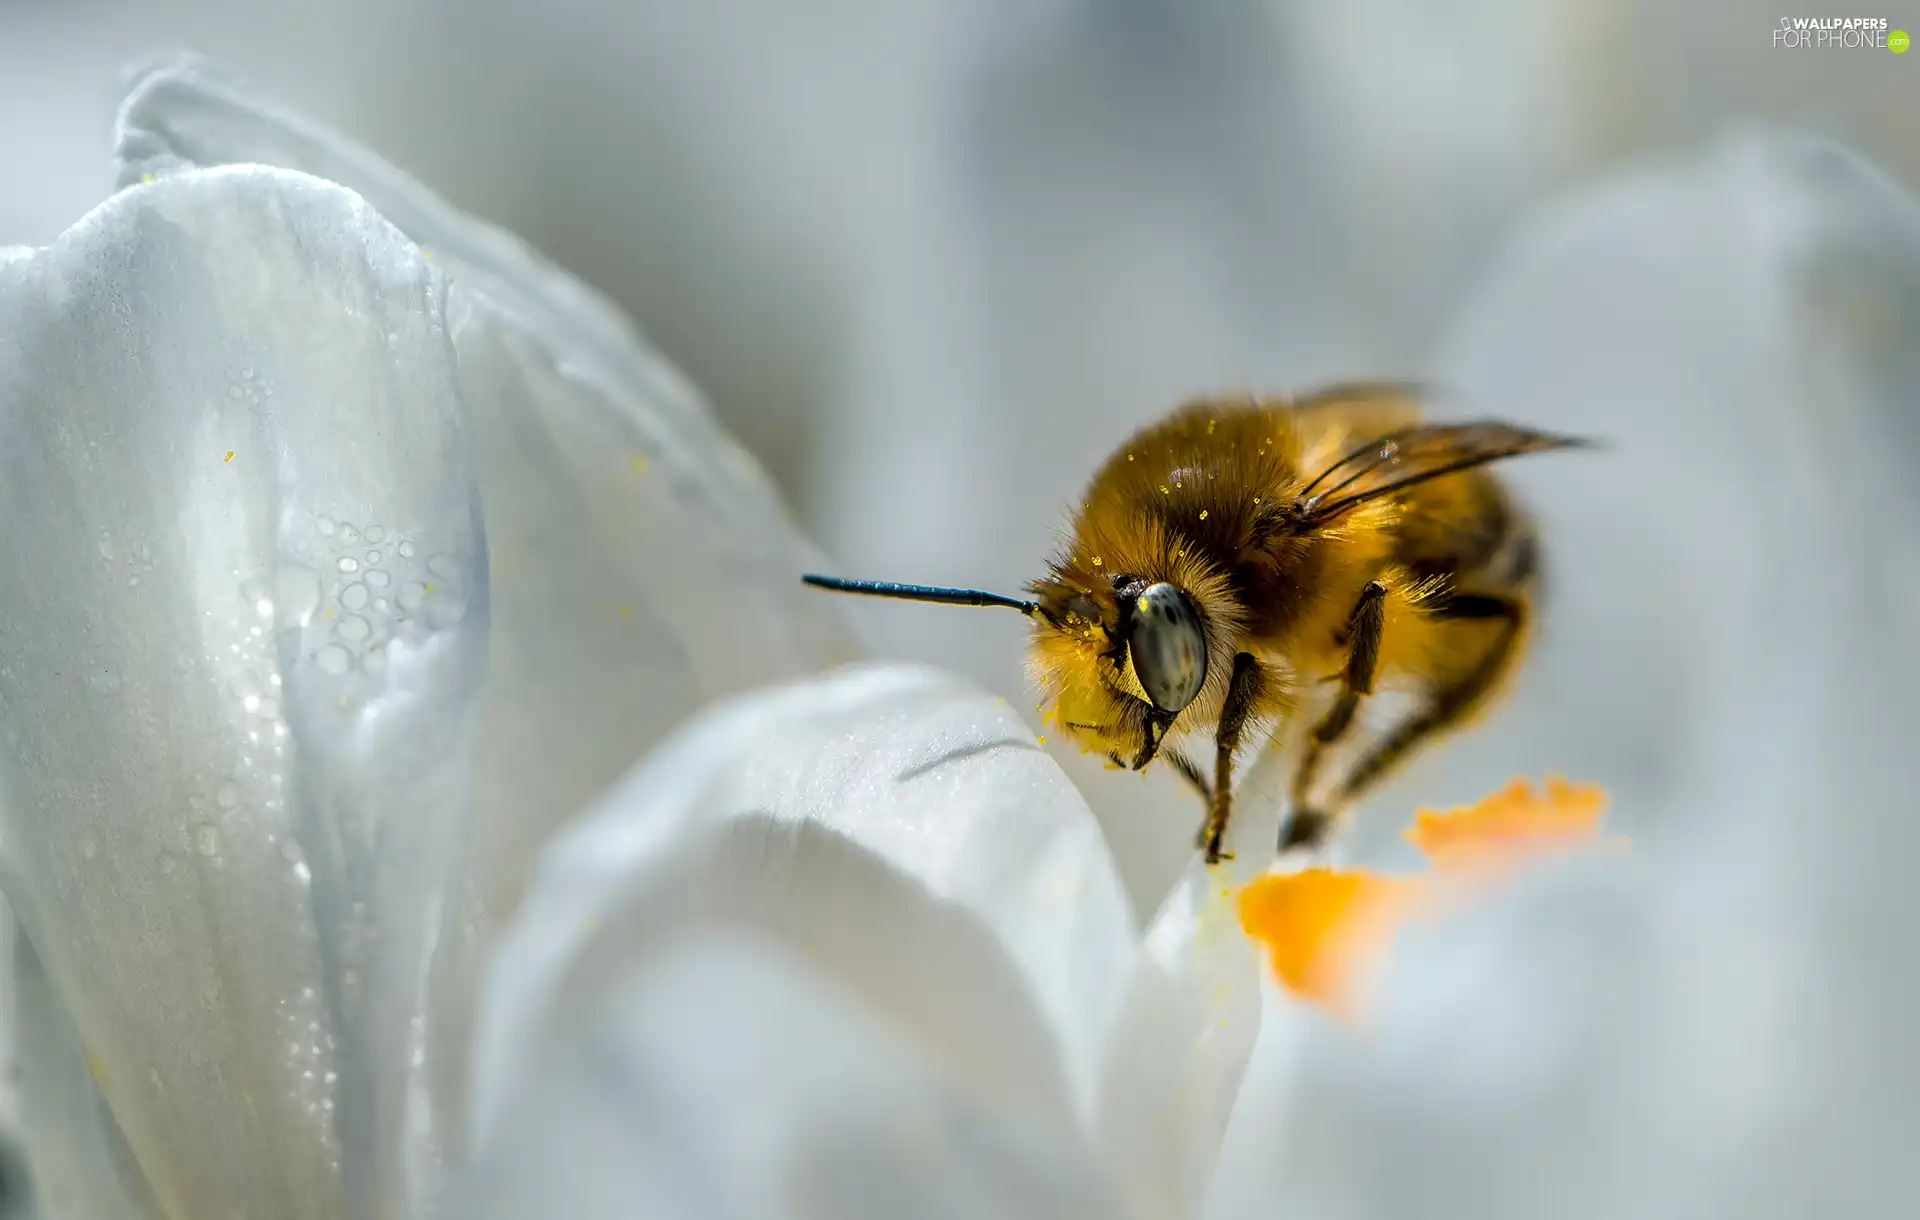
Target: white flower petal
[714, 1074]
[898, 827]
[641, 563]
[1191, 1017]
[231, 790]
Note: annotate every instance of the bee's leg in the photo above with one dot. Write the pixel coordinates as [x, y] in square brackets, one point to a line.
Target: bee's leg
[1448, 705]
[1307, 825]
[1242, 691]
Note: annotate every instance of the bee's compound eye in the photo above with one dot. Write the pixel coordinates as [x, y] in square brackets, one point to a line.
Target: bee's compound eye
[1168, 646]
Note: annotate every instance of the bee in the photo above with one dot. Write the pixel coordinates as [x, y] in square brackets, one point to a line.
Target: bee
[1245, 561]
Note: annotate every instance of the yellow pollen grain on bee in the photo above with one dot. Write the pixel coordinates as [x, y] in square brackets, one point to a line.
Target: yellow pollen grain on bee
[1096, 561]
[1203, 514]
[1211, 425]
[1164, 491]
[1129, 457]
[227, 458]
[1043, 739]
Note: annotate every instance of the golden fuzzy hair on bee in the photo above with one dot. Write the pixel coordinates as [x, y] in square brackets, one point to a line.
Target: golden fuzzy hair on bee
[1194, 500]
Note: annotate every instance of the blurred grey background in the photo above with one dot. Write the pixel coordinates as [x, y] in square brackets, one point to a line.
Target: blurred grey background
[932, 259]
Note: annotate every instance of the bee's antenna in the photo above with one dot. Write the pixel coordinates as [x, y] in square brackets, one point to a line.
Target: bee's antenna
[921, 593]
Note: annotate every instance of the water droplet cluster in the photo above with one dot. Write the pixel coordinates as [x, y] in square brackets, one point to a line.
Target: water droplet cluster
[376, 588]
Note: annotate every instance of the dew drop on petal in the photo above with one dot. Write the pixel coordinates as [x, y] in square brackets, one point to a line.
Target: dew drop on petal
[333, 659]
[375, 533]
[348, 534]
[354, 596]
[378, 579]
[406, 550]
[353, 629]
[207, 840]
[325, 525]
[412, 594]
[444, 566]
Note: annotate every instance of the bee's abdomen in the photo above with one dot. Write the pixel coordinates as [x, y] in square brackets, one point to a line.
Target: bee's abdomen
[1468, 530]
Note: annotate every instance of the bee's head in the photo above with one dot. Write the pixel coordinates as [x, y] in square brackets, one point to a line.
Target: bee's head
[1122, 657]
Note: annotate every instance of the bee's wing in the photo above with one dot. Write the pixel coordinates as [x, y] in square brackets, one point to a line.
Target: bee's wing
[1399, 459]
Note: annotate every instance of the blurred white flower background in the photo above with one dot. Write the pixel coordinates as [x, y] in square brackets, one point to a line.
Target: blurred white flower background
[928, 262]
